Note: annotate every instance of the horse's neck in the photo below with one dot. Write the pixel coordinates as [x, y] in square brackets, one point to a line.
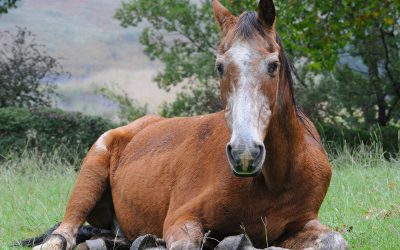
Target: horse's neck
[285, 138]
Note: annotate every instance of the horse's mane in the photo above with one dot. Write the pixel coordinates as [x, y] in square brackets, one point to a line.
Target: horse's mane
[249, 27]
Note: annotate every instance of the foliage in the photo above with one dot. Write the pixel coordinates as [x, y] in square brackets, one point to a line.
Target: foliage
[27, 72]
[47, 129]
[183, 36]
[129, 109]
[351, 69]
[5, 5]
[200, 99]
[363, 86]
[338, 137]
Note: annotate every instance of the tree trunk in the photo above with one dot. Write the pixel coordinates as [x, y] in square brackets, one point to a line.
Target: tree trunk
[371, 60]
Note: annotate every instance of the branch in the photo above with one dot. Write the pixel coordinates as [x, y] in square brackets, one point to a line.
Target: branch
[396, 84]
[296, 74]
[390, 110]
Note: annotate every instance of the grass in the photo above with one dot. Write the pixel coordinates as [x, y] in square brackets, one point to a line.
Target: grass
[363, 201]
[34, 190]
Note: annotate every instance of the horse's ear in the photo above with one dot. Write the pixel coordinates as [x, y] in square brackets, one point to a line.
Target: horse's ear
[266, 13]
[222, 15]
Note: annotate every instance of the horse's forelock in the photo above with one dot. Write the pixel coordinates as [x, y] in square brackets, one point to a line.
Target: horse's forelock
[248, 26]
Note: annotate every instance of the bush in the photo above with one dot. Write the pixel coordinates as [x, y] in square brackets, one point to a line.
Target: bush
[388, 136]
[47, 130]
[201, 100]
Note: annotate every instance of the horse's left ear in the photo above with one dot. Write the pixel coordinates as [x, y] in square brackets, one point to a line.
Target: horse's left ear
[266, 13]
[222, 15]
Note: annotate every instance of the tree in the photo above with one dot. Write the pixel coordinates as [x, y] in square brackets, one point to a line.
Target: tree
[5, 5]
[27, 72]
[345, 52]
[129, 109]
[363, 84]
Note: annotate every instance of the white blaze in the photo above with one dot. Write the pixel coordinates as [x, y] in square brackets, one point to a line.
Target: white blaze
[248, 110]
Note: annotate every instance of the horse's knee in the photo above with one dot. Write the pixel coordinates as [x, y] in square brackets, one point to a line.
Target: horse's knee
[331, 241]
[54, 242]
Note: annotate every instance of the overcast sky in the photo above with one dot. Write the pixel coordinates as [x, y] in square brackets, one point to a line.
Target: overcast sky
[94, 47]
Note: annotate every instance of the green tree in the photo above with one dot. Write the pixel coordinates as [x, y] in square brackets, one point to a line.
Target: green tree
[362, 86]
[27, 72]
[184, 37]
[318, 36]
[5, 5]
[129, 109]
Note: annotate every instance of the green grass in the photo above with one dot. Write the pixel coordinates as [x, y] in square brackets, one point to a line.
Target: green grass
[33, 192]
[363, 201]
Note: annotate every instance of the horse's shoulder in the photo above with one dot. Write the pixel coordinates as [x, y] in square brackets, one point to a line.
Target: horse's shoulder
[313, 164]
[314, 157]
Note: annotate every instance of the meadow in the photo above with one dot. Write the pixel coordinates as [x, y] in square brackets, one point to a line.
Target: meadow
[363, 201]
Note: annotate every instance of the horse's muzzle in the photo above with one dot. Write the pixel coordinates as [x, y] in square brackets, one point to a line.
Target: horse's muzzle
[246, 161]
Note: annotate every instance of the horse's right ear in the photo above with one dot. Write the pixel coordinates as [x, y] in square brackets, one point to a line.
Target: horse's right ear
[266, 13]
[222, 15]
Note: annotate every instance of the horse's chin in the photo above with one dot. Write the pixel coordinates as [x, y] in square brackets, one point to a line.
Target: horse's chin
[256, 172]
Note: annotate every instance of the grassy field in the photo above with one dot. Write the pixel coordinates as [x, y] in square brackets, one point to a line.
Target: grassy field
[363, 201]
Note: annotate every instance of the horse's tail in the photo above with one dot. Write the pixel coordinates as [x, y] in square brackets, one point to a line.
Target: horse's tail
[84, 233]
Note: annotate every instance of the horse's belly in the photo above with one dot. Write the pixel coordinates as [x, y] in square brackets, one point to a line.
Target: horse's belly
[140, 199]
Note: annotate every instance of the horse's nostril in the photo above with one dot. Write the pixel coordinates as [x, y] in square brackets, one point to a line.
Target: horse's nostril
[258, 152]
[232, 157]
[229, 149]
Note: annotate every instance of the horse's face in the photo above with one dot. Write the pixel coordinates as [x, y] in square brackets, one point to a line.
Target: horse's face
[248, 65]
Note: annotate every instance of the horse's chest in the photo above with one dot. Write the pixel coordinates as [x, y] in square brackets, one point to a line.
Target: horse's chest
[251, 213]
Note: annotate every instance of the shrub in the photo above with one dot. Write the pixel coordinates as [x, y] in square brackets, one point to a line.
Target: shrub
[47, 130]
[388, 137]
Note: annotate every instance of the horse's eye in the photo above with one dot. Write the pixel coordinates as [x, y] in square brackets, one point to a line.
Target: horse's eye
[220, 69]
[272, 67]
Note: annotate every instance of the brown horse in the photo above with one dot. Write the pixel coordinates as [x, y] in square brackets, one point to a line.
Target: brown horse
[256, 166]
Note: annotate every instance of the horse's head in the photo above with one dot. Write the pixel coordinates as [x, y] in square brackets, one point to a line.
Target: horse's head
[248, 65]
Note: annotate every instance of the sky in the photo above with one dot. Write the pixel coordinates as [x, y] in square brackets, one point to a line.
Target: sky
[93, 47]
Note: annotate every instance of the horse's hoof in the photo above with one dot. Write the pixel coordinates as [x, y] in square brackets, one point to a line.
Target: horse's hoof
[54, 242]
[184, 245]
[147, 242]
[97, 244]
[82, 246]
[238, 242]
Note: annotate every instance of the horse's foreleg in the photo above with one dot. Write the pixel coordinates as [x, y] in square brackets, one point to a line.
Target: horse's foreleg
[88, 190]
[315, 236]
[187, 234]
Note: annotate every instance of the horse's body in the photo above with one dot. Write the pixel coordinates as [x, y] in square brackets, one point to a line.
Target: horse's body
[197, 184]
[171, 177]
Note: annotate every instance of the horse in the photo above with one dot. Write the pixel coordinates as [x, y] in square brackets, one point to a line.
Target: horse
[257, 166]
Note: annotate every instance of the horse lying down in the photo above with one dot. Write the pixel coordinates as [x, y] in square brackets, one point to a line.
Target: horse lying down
[259, 159]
